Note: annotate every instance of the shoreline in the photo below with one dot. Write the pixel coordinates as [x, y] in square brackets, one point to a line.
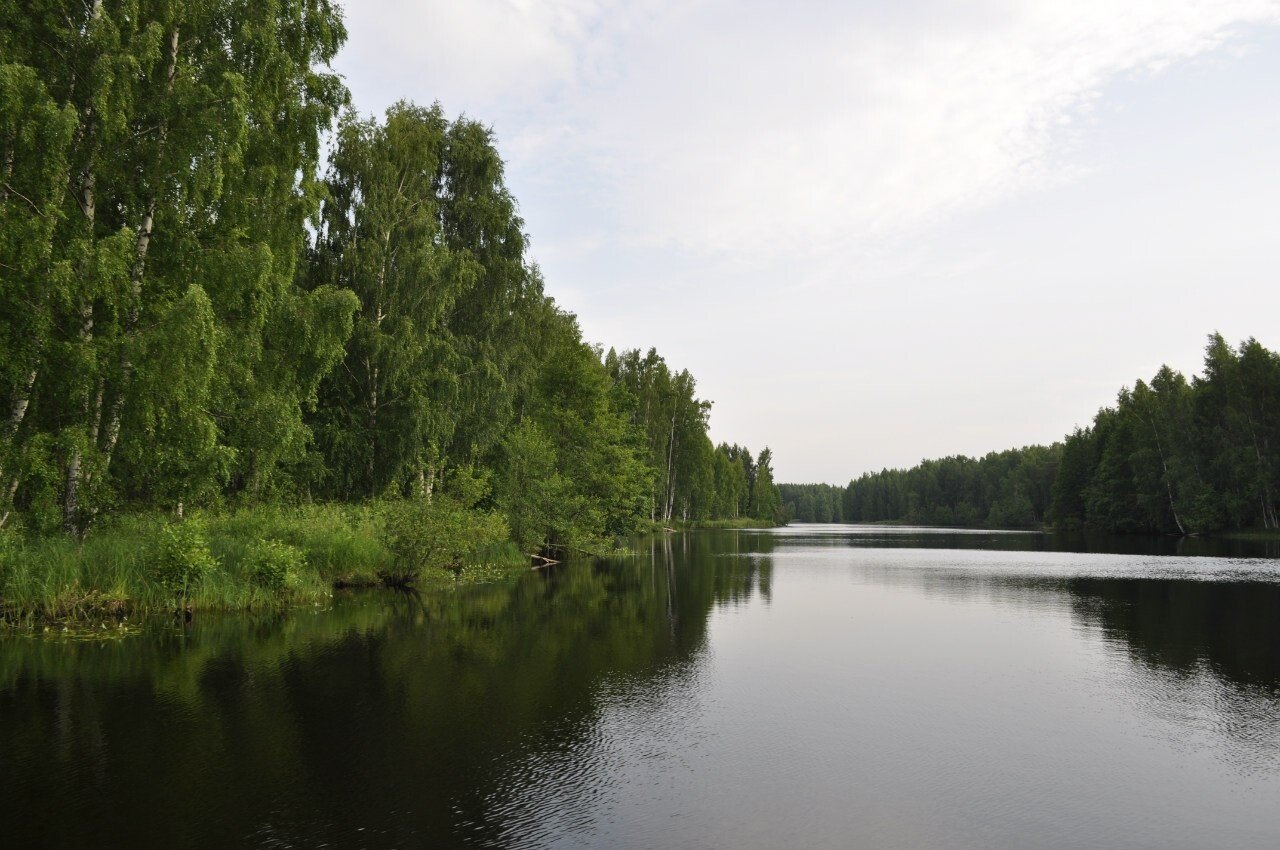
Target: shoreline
[262, 560]
[252, 560]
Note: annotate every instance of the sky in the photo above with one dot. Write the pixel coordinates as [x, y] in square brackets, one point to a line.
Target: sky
[875, 232]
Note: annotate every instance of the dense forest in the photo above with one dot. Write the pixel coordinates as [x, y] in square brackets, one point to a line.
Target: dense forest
[1171, 456]
[813, 502]
[1009, 489]
[197, 310]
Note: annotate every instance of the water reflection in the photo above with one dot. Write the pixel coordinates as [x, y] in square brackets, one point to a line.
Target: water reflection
[292, 727]
[910, 536]
[717, 689]
[1230, 628]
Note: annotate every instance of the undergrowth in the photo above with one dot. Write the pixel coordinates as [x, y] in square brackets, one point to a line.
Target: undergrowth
[259, 559]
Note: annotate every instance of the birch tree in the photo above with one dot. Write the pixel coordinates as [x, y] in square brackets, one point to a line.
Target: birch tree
[389, 412]
[35, 139]
[191, 163]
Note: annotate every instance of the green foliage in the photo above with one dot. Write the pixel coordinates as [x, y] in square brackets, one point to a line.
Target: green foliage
[689, 479]
[437, 535]
[165, 157]
[1009, 489]
[391, 412]
[340, 544]
[1172, 456]
[1181, 456]
[181, 558]
[530, 491]
[813, 502]
[766, 504]
[275, 566]
[192, 318]
[256, 559]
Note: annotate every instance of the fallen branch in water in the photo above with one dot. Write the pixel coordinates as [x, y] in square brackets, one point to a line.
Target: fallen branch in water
[567, 548]
[546, 562]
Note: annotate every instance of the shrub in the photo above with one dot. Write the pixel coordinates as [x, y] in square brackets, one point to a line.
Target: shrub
[274, 566]
[181, 557]
[8, 546]
[439, 534]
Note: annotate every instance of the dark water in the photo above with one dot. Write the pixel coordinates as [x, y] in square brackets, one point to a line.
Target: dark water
[811, 687]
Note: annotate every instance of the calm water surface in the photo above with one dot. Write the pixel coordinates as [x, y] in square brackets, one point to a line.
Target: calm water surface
[817, 686]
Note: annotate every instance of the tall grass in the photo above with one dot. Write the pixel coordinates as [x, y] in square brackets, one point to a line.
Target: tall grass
[740, 523]
[254, 559]
[342, 544]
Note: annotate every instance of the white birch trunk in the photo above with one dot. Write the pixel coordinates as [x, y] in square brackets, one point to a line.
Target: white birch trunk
[671, 443]
[88, 207]
[137, 275]
[21, 400]
[1167, 484]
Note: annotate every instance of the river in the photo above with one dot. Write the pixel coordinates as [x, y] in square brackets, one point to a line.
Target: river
[813, 686]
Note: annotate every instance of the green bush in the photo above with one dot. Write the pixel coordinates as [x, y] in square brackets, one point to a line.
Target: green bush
[181, 558]
[8, 544]
[338, 543]
[437, 535]
[8, 549]
[274, 566]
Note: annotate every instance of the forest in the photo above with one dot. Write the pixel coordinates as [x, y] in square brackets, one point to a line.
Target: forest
[223, 287]
[1172, 456]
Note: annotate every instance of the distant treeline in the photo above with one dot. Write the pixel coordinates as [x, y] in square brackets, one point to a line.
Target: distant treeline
[1172, 456]
[193, 312]
[1009, 489]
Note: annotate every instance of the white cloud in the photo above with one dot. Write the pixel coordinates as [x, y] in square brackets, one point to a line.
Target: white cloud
[860, 133]
[777, 128]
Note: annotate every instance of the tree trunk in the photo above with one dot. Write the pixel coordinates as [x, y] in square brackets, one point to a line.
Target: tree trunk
[22, 395]
[372, 370]
[8, 167]
[1268, 505]
[1269, 519]
[667, 494]
[88, 207]
[21, 400]
[373, 424]
[10, 492]
[1167, 484]
[71, 488]
[136, 276]
[426, 480]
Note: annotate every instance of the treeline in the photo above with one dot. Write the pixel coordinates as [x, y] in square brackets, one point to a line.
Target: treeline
[194, 314]
[1172, 456]
[1181, 456]
[690, 478]
[813, 502]
[1009, 489]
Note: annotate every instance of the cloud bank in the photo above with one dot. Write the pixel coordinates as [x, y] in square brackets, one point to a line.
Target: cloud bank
[777, 128]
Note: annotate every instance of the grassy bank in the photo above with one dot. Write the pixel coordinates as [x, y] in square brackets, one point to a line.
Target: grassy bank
[741, 522]
[1250, 534]
[260, 559]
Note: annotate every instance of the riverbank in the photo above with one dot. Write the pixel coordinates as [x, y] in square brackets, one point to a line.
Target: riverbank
[739, 523]
[257, 559]
[1265, 534]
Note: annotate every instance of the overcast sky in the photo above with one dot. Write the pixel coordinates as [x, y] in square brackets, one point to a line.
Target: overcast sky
[876, 231]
